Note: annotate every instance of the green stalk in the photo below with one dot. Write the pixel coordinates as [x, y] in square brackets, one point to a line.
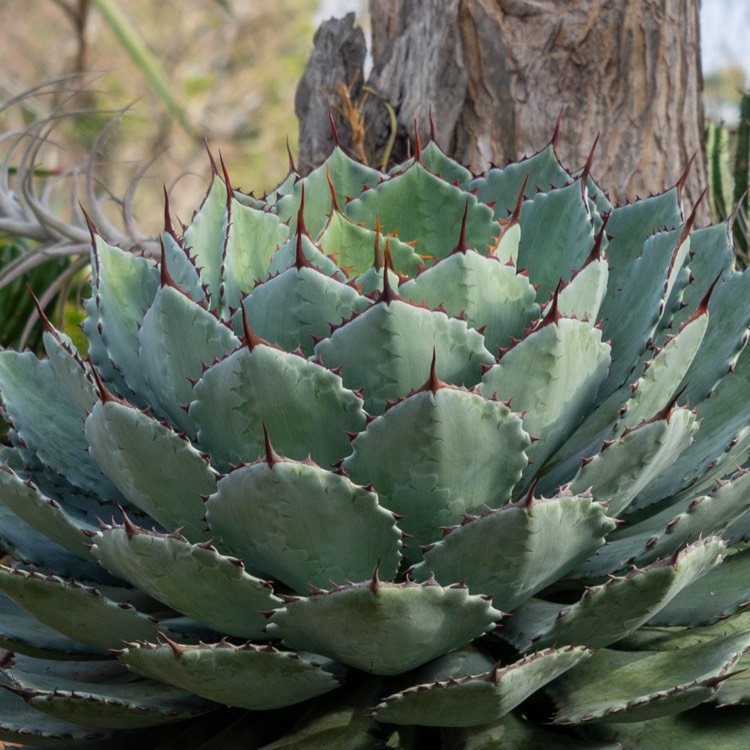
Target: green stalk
[133, 44]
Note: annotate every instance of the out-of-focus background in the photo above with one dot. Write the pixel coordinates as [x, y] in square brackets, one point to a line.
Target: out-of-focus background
[219, 71]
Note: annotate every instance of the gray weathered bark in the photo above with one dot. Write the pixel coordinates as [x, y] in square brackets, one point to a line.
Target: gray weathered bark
[495, 74]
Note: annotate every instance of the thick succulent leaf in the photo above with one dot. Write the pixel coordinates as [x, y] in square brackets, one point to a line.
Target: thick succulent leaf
[714, 596]
[681, 522]
[481, 699]
[515, 732]
[435, 456]
[69, 369]
[205, 238]
[490, 294]
[410, 335]
[616, 686]
[21, 724]
[552, 376]
[336, 721]
[125, 285]
[246, 676]
[632, 311]
[332, 623]
[23, 634]
[157, 470]
[353, 246]
[582, 297]
[725, 337]
[253, 236]
[606, 613]
[348, 178]
[264, 384]
[514, 552]
[79, 612]
[110, 706]
[631, 404]
[303, 525]
[43, 513]
[624, 468]
[29, 546]
[665, 372]
[287, 257]
[181, 268]
[421, 207]
[298, 306]
[178, 339]
[502, 186]
[690, 730]
[193, 579]
[556, 236]
[47, 420]
[439, 163]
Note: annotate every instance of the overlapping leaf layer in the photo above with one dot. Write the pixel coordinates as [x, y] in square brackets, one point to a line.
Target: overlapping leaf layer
[388, 460]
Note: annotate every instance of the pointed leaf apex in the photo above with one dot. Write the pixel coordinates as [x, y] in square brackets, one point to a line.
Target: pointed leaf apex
[683, 178]
[691, 219]
[462, 245]
[292, 166]
[214, 170]
[272, 458]
[375, 584]
[379, 260]
[433, 137]
[596, 250]
[388, 295]
[165, 278]
[104, 394]
[251, 338]
[168, 228]
[40, 312]
[332, 123]
[334, 200]
[556, 135]
[516, 215]
[433, 384]
[702, 308]
[553, 314]
[417, 143]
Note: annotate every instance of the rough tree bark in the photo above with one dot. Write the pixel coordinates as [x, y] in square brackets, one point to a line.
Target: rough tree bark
[495, 74]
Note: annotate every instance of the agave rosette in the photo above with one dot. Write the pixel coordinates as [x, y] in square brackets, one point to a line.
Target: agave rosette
[318, 454]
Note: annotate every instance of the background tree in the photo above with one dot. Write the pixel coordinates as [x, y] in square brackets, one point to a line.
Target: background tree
[495, 74]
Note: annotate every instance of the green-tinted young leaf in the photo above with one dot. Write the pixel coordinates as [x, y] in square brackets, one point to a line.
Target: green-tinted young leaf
[348, 177]
[411, 335]
[489, 294]
[181, 268]
[332, 623]
[481, 699]
[287, 257]
[353, 246]
[69, 369]
[264, 384]
[437, 455]
[193, 579]
[253, 236]
[424, 208]
[616, 686]
[155, 469]
[582, 298]
[514, 552]
[502, 186]
[246, 676]
[303, 524]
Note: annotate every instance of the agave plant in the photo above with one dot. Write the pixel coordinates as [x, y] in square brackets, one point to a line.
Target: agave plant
[416, 459]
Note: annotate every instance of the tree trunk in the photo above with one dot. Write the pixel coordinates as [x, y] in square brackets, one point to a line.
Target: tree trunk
[496, 73]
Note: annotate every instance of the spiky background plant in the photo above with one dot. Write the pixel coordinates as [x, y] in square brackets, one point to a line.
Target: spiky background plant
[417, 459]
